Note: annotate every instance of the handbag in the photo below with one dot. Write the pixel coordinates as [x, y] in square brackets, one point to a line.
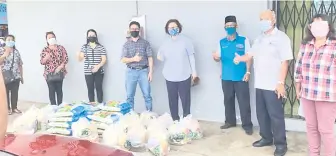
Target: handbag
[8, 75]
[52, 77]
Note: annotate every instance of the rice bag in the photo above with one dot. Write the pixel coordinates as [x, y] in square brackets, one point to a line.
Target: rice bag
[157, 142]
[60, 124]
[136, 138]
[146, 117]
[104, 117]
[178, 134]
[61, 131]
[166, 120]
[194, 127]
[115, 106]
[85, 130]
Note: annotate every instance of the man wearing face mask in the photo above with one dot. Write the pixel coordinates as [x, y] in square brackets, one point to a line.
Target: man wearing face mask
[235, 76]
[137, 55]
[271, 52]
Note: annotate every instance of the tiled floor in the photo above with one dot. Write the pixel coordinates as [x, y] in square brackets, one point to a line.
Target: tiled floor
[231, 142]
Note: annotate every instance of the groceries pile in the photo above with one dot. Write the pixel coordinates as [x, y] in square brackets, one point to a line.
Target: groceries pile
[113, 124]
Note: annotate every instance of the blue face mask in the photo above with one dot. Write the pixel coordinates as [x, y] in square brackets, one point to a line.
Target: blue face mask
[265, 25]
[174, 31]
[230, 30]
[10, 44]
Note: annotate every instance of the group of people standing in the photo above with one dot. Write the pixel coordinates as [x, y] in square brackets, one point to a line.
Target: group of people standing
[315, 75]
[315, 78]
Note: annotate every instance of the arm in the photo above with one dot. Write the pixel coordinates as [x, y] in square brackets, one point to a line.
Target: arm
[3, 55]
[217, 54]
[80, 55]
[65, 58]
[3, 109]
[150, 58]
[248, 62]
[298, 66]
[43, 55]
[191, 55]
[103, 58]
[286, 55]
[124, 58]
[160, 55]
[20, 65]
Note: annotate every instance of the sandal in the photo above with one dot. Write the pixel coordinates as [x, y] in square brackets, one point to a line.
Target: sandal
[17, 111]
[10, 112]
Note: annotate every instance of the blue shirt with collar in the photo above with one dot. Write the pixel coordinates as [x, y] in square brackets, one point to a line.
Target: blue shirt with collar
[227, 50]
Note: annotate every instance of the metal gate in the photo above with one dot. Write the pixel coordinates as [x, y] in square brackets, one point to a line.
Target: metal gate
[292, 18]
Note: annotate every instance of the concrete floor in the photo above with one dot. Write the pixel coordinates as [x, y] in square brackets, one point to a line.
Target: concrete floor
[232, 142]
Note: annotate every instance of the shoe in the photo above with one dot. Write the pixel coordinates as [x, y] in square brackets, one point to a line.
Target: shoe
[280, 151]
[262, 143]
[227, 126]
[249, 131]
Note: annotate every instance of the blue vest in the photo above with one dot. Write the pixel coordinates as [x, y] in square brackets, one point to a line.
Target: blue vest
[230, 70]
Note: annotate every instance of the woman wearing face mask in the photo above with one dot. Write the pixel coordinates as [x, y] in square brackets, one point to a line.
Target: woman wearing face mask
[94, 56]
[54, 57]
[177, 54]
[315, 77]
[12, 72]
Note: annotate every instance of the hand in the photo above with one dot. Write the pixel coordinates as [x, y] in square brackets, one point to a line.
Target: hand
[21, 80]
[7, 51]
[237, 58]
[81, 56]
[59, 68]
[298, 90]
[215, 56]
[46, 57]
[246, 77]
[280, 90]
[95, 68]
[150, 76]
[136, 58]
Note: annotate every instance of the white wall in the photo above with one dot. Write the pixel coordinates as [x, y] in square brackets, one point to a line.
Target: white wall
[202, 22]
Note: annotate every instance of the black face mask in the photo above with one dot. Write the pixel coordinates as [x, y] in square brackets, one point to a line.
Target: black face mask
[92, 39]
[134, 34]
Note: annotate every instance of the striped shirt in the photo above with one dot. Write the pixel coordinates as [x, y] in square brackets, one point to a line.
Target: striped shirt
[93, 56]
[315, 69]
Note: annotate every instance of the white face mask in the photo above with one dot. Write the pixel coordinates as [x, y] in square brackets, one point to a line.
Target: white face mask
[52, 41]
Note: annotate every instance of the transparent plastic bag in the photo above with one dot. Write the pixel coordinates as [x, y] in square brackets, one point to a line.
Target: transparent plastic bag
[146, 117]
[27, 122]
[179, 134]
[111, 135]
[157, 142]
[129, 119]
[166, 120]
[136, 138]
[85, 130]
[194, 127]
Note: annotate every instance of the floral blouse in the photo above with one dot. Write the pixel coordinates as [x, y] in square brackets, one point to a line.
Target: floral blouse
[8, 62]
[57, 57]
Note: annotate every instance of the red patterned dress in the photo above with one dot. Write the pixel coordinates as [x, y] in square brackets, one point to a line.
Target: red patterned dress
[58, 57]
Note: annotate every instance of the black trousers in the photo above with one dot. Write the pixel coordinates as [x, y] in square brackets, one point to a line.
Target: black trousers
[55, 88]
[95, 81]
[270, 114]
[12, 90]
[231, 89]
[176, 89]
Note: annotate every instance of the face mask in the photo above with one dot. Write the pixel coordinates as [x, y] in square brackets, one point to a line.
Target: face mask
[52, 41]
[265, 25]
[174, 31]
[10, 44]
[320, 28]
[135, 34]
[230, 30]
[92, 39]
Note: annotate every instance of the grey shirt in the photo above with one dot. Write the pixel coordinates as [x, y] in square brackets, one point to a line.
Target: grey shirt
[141, 46]
[178, 57]
[268, 52]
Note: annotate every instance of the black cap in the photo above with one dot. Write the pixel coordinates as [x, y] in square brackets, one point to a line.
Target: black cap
[230, 18]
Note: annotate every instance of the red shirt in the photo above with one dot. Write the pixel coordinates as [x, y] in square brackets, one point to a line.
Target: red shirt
[58, 57]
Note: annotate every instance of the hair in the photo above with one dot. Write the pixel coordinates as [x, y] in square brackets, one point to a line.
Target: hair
[87, 35]
[49, 33]
[12, 36]
[134, 23]
[331, 34]
[179, 25]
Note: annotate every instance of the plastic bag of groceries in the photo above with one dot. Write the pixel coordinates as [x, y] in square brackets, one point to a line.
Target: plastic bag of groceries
[112, 134]
[179, 134]
[129, 119]
[147, 116]
[157, 137]
[136, 138]
[26, 123]
[85, 130]
[194, 127]
[44, 115]
[166, 120]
